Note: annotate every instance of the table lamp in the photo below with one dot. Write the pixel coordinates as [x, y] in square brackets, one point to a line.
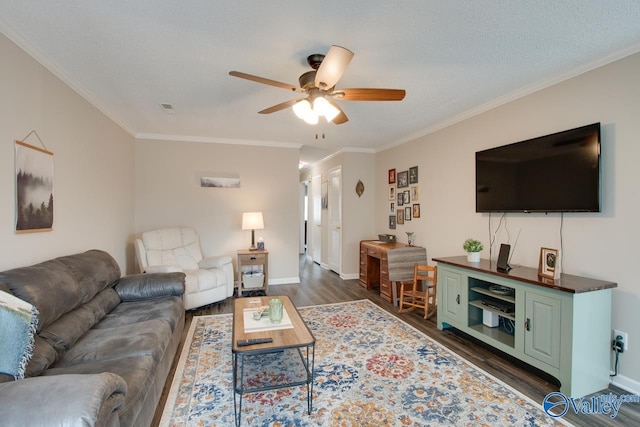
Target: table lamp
[252, 221]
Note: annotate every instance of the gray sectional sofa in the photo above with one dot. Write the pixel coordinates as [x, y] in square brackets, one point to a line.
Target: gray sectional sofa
[104, 344]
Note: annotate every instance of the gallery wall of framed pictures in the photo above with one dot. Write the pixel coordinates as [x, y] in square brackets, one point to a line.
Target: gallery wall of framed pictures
[404, 196]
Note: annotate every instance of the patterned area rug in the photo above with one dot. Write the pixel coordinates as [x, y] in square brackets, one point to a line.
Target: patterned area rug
[371, 369]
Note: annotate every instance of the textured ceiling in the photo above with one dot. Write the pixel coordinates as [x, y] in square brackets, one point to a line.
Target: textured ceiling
[454, 58]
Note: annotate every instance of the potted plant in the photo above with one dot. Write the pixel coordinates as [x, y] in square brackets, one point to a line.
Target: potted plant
[472, 247]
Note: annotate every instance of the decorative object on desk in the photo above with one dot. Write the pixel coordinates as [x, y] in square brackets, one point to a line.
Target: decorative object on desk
[275, 310]
[260, 244]
[252, 221]
[416, 210]
[549, 264]
[392, 176]
[34, 187]
[409, 237]
[473, 247]
[403, 179]
[392, 222]
[359, 188]
[413, 175]
[387, 238]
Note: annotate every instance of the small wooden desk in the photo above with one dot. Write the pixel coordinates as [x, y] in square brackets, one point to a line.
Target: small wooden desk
[374, 267]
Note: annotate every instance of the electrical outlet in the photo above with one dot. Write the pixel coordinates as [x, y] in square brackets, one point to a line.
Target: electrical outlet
[625, 339]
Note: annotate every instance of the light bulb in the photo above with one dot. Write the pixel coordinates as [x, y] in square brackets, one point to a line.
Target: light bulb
[303, 110]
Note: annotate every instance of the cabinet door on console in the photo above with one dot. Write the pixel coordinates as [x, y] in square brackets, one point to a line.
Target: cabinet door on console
[451, 284]
[542, 328]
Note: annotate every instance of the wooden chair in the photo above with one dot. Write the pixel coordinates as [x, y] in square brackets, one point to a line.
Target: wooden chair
[415, 295]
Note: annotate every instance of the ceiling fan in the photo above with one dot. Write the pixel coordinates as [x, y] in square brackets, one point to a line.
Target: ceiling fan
[319, 87]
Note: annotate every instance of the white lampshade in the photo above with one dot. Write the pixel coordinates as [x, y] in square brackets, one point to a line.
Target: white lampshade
[303, 110]
[322, 107]
[252, 221]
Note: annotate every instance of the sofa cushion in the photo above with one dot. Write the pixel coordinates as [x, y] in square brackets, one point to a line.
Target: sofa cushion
[93, 270]
[44, 354]
[149, 338]
[65, 331]
[129, 313]
[49, 286]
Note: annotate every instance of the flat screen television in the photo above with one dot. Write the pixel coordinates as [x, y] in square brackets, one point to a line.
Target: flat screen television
[553, 173]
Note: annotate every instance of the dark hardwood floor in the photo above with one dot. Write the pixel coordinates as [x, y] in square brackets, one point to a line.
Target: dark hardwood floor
[319, 286]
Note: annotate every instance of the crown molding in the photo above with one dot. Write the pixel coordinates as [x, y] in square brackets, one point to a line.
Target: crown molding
[213, 140]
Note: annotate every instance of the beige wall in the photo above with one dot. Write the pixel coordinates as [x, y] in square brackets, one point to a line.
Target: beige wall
[168, 193]
[598, 245]
[93, 166]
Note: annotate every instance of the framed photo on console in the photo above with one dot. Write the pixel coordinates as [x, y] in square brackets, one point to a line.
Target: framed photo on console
[549, 265]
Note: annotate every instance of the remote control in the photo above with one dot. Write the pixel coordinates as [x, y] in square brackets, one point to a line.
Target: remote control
[252, 341]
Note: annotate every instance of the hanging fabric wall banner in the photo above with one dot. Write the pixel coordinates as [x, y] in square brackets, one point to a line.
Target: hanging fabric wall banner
[34, 188]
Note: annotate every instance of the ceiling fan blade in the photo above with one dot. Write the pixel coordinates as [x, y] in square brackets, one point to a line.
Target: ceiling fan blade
[333, 66]
[279, 107]
[365, 94]
[265, 81]
[341, 117]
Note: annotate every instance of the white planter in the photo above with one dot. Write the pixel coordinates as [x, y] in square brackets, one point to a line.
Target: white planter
[473, 256]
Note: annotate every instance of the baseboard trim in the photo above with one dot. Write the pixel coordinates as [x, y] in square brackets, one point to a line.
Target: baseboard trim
[632, 386]
[284, 281]
[350, 276]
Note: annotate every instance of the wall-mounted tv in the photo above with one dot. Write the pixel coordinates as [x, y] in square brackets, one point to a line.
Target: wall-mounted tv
[553, 173]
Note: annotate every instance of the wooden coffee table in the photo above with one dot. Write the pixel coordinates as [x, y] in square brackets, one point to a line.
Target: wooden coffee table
[291, 350]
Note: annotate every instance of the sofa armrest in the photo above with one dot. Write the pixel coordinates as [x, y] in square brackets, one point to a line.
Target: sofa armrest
[63, 400]
[214, 262]
[137, 287]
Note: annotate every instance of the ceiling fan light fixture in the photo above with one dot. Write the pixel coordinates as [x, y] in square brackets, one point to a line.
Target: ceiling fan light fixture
[322, 107]
[303, 110]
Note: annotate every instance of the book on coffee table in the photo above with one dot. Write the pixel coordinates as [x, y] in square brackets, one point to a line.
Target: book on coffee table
[264, 324]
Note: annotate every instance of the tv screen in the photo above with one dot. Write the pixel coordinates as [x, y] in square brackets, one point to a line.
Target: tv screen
[553, 173]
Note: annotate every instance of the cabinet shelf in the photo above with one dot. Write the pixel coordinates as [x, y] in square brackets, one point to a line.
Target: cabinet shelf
[485, 291]
[478, 304]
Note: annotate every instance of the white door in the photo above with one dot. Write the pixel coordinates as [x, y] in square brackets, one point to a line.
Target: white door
[335, 219]
[316, 220]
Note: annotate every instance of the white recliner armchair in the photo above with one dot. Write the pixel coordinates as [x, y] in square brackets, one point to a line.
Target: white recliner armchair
[207, 280]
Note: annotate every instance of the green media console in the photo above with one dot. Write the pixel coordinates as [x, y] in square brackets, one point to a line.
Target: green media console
[562, 326]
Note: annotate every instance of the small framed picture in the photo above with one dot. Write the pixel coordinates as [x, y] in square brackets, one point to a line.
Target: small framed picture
[414, 193]
[406, 197]
[416, 210]
[400, 199]
[413, 175]
[392, 222]
[549, 263]
[403, 179]
[392, 193]
[392, 208]
[407, 213]
[400, 214]
[392, 176]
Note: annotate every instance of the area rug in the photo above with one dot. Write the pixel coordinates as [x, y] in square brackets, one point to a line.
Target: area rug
[371, 369]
